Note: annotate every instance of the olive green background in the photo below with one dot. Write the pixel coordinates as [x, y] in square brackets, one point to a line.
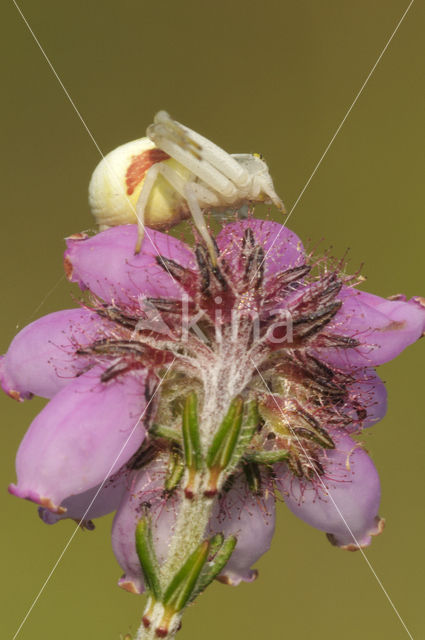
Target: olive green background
[275, 77]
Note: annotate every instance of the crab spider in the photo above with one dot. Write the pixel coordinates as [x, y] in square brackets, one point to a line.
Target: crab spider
[172, 174]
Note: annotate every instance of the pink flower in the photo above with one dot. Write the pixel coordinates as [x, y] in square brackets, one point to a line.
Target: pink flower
[266, 324]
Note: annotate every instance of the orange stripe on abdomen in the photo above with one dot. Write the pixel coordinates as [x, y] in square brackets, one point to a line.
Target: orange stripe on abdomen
[140, 164]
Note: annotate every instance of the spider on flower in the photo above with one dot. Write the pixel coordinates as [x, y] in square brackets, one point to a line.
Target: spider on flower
[172, 174]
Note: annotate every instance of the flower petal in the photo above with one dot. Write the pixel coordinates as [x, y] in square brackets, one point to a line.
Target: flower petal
[346, 505]
[41, 359]
[283, 249]
[146, 489]
[93, 503]
[85, 434]
[107, 265]
[251, 519]
[367, 399]
[383, 327]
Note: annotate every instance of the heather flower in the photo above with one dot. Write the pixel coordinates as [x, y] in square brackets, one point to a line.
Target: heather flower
[185, 394]
[240, 512]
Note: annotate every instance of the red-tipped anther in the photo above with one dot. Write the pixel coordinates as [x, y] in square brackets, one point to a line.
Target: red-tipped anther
[146, 622]
[213, 479]
[190, 488]
[210, 492]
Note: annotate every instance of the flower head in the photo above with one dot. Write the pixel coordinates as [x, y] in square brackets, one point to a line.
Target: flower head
[278, 353]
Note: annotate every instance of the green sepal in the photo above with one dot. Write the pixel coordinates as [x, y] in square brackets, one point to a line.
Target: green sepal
[226, 438]
[249, 426]
[215, 566]
[175, 471]
[147, 557]
[180, 589]
[317, 434]
[190, 430]
[215, 544]
[253, 477]
[267, 457]
[165, 432]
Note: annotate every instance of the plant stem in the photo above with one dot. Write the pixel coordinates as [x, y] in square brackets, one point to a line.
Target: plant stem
[189, 532]
[191, 524]
[194, 514]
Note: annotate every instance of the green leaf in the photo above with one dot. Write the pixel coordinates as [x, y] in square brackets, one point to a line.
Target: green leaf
[249, 426]
[213, 568]
[190, 429]
[315, 433]
[267, 457]
[180, 589]
[253, 477]
[225, 440]
[166, 433]
[147, 557]
[215, 544]
[175, 471]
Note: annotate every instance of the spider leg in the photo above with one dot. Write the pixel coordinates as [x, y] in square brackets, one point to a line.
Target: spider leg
[199, 220]
[177, 132]
[172, 138]
[206, 197]
[149, 181]
[190, 191]
[204, 149]
[172, 177]
[221, 160]
[194, 193]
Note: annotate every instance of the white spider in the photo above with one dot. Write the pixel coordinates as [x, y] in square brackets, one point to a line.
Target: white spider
[172, 174]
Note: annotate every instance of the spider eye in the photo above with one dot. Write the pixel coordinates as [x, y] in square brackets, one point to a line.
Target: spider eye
[258, 155]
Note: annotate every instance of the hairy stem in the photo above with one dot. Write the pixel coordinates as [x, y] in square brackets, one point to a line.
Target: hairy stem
[192, 520]
[190, 529]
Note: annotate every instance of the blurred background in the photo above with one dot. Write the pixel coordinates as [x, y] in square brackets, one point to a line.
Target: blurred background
[275, 77]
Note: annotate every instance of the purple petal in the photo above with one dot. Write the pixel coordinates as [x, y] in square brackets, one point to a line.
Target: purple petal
[146, 489]
[383, 327]
[93, 503]
[85, 434]
[251, 519]
[106, 264]
[283, 249]
[345, 502]
[41, 359]
[367, 399]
